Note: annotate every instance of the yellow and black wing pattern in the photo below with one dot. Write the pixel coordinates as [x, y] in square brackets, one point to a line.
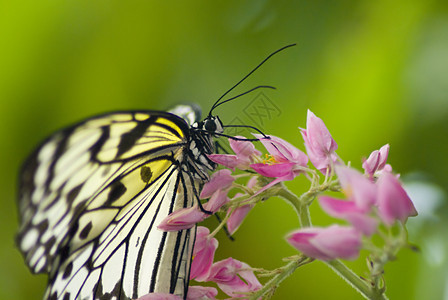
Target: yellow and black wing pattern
[91, 198]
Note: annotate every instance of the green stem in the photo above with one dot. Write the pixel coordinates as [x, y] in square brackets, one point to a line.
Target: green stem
[299, 204]
[355, 281]
[272, 284]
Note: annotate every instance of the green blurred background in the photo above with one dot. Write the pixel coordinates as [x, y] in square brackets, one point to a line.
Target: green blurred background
[375, 71]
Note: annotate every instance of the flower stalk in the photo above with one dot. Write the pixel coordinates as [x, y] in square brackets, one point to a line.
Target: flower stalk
[367, 291]
[282, 273]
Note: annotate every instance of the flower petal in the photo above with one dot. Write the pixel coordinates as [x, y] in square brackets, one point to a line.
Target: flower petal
[338, 242]
[243, 148]
[300, 240]
[220, 180]
[282, 151]
[363, 223]
[376, 161]
[393, 201]
[234, 277]
[184, 218]
[276, 170]
[237, 217]
[201, 292]
[357, 187]
[327, 243]
[218, 199]
[384, 153]
[159, 296]
[203, 254]
[320, 145]
[338, 208]
[348, 210]
[226, 160]
[319, 136]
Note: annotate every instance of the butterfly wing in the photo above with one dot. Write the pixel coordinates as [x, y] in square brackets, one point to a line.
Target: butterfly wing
[91, 198]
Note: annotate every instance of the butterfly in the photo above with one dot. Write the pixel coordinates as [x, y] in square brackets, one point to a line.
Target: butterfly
[92, 195]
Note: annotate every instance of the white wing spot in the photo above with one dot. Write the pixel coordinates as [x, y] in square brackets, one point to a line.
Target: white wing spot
[37, 255]
[29, 240]
[41, 264]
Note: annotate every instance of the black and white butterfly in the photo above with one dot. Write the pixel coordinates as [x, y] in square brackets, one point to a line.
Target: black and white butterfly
[92, 195]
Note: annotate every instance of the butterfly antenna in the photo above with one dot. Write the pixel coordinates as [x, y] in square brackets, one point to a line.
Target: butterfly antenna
[242, 94]
[246, 126]
[245, 77]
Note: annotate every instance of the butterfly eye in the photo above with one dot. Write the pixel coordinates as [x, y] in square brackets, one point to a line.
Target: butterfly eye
[210, 125]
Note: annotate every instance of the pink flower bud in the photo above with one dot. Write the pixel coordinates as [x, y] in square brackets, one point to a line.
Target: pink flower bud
[239, 214]
[226, 160]
[218, 199]
[203, 254]
[201, 293]
[220, 180]
[376, 161]
[393, 201]
[320, 146]
[327, 243]
[234, 277]
[184, 218]
[237, 217]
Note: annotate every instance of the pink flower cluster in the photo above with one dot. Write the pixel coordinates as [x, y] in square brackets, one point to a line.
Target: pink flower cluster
[373, 198]
[367, 204]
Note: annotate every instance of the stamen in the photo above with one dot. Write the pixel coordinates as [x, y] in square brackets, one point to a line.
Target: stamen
[269, 159]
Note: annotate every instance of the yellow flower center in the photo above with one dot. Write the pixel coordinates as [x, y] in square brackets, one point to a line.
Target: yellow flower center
[269, 159]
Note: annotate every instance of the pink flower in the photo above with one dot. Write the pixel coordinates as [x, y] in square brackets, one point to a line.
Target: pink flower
[239, 214]
[320, 146]
[234, 277]
[237, 217]
[361, 197]
[349, 211]
[218, 199]
[244, 151]
[220, 180]
[327, 243]
[203, 254]
[282, 151]
[243, 148]
[377, 162]
[287, 161]
[201, 293]
[184, 218]
[159, 296]
[393, 201]
[356, 187]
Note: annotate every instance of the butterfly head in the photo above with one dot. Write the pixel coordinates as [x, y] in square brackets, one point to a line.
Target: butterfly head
[211, 124]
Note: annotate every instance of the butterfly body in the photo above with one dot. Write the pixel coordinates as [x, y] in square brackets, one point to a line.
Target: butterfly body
[92, 195]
